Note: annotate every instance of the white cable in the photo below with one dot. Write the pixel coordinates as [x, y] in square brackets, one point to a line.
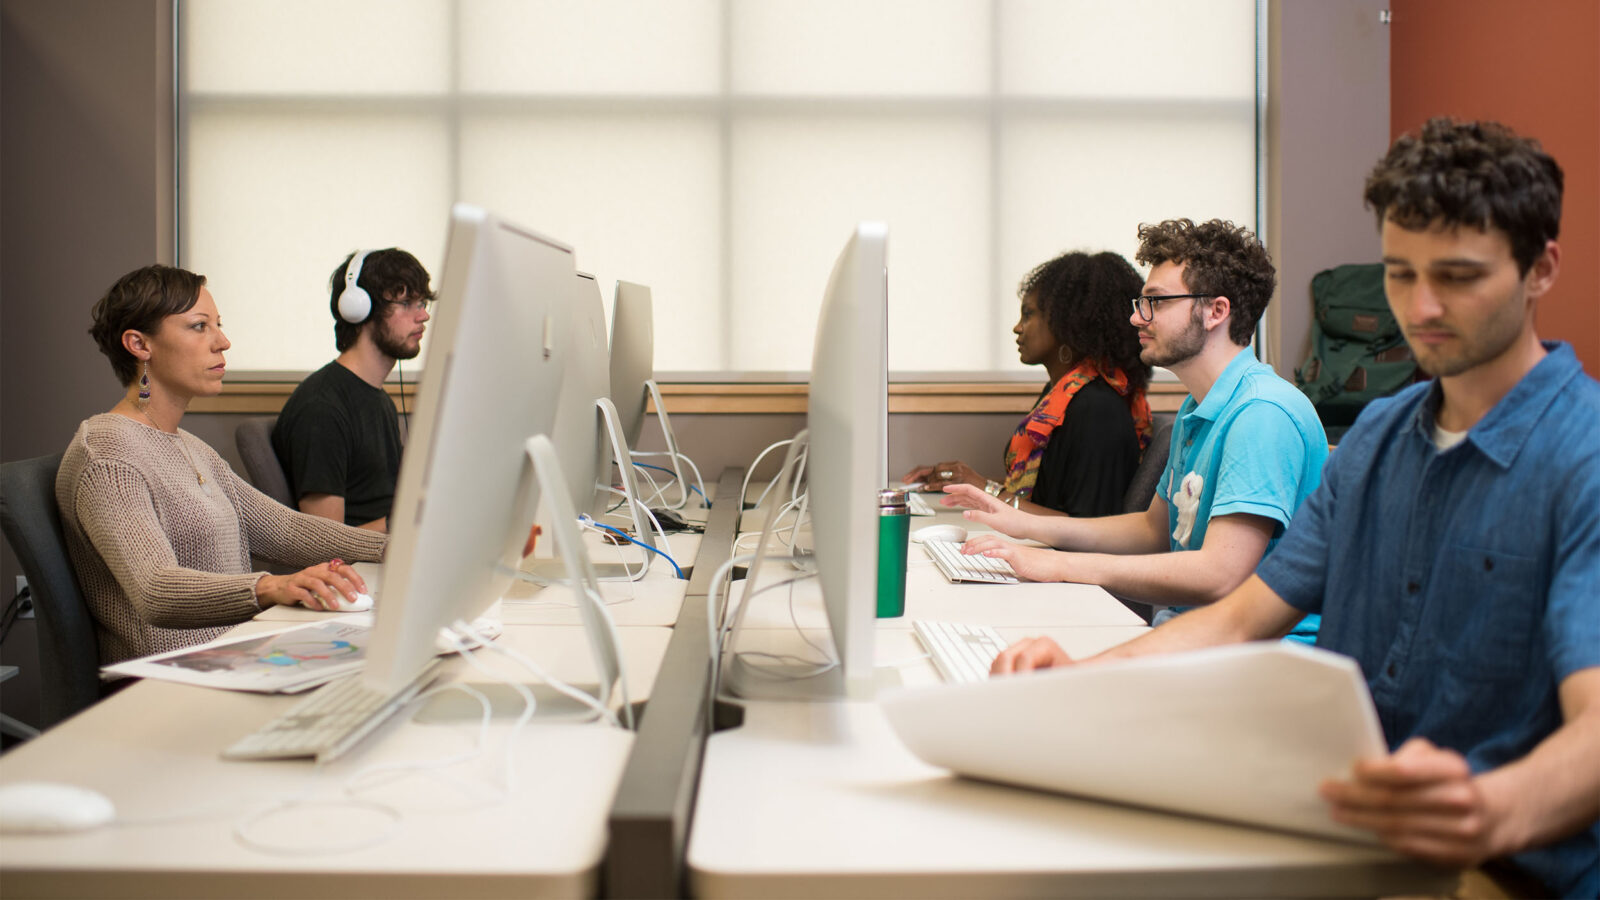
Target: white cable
[699, 481]
[561, 686]
[666, 545]
[656, 492]
[588, 524]
[361, 779]
[743, 488]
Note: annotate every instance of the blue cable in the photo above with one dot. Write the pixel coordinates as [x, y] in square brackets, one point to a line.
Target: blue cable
[675, 475]
[630, 539]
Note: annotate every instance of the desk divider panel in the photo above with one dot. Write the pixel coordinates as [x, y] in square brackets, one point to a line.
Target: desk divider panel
[650, 817]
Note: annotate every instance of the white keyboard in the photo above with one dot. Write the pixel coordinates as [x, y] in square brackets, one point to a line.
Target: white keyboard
[957, 566]
[916, 505]
[329, 721]
[961, 652]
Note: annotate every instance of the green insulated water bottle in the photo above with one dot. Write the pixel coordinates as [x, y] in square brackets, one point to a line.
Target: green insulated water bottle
[894, 529]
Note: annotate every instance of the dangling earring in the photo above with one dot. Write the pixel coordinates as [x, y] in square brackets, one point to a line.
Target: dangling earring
[144, 382]
[1061, 354]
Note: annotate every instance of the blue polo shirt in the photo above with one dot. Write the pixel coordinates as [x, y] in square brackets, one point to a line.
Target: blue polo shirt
[1465, 582]
[1256, 446]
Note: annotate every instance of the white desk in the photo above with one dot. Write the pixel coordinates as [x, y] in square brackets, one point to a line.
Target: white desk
[153, 749]
[821, 799]
[930, 596]
[647, 602]
[652, 601]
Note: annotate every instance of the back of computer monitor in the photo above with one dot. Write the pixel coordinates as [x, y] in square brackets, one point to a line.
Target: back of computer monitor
[578, 435]
[493, 376]
[847, 462]
[632, 356]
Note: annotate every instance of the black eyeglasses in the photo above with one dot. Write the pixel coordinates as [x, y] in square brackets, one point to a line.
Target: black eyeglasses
[1145, 304]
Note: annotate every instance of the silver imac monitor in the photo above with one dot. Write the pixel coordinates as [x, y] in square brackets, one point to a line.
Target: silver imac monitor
[632, 357]
[633, 386]
[579, 434]
[586, 436]
[494, 368]
[846, 465]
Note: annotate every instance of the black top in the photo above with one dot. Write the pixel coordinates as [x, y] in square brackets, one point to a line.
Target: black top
[339, 435]
[1091, 456]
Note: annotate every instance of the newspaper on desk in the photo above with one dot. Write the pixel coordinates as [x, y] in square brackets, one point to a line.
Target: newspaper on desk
[286, 660]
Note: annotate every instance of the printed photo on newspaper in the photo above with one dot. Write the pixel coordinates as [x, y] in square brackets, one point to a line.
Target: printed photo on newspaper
[280, 661]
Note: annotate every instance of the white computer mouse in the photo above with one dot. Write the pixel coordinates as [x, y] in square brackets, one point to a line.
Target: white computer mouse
[953, 533]
[50, 807]
[362, 603]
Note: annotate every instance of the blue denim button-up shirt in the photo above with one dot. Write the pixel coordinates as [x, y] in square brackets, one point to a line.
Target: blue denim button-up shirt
[1465, 582]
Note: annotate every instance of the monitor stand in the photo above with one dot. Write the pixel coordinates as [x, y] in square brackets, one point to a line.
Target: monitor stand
[773, 679]
[677, 459]
[548, 571]
[598, 628]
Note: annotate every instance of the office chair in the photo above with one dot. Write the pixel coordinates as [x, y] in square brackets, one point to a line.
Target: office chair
[253, 437]
[1142, 489]
[69, 655]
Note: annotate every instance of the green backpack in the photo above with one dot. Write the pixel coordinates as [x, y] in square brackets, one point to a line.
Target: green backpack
[1357, 352]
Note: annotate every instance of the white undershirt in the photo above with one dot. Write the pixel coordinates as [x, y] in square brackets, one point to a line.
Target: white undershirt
[1443, 440]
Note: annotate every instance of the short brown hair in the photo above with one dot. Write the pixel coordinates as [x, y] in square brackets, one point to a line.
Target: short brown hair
[140, 300]
[1219, 258]
[1478, 174]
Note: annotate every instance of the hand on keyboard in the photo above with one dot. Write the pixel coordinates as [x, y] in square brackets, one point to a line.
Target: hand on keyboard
[1029, 654]
[1029, 563]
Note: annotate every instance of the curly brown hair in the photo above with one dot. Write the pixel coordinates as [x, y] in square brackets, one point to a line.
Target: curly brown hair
[1219, 258]
[1478, 174]
[1085, 299]
[140, 300]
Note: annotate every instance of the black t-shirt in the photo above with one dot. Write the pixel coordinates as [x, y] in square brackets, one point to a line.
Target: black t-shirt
[339, 435]
[1091, 456]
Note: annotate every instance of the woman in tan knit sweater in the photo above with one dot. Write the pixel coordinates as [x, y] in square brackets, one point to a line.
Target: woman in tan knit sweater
[160, 529]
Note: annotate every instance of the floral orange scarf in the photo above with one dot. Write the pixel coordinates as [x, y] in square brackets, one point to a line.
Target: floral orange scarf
[1026, 448]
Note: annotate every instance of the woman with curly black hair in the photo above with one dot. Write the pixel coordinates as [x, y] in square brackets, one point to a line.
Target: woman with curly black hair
[1077, 449]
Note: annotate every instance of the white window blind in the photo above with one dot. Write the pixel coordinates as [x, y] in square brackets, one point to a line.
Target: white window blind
[719, 151]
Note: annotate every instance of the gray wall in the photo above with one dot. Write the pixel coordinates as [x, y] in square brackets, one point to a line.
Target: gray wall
[1328, 122]
[86, 195]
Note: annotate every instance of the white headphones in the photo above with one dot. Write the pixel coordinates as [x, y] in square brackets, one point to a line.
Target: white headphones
[355, 304]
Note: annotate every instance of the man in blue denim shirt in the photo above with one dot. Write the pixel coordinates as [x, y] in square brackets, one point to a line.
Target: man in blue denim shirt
[1454, 545]
[1247, 447]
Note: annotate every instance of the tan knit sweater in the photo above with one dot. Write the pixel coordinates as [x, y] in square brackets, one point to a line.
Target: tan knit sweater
[164, 561]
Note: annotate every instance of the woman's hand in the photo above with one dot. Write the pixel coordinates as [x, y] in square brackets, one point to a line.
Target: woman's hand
[318, 587]
[936, 476]
[989, 511]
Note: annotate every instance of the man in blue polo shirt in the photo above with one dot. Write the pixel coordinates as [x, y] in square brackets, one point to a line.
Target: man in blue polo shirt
[1247, 448]
[1454, 545]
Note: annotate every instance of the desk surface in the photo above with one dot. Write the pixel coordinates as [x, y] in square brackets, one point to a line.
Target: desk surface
[930, 596]
[823, 799]
[154, 750]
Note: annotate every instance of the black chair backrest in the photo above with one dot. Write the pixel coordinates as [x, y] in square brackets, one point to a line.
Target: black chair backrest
[253, 437]
[69, 656]
[1142, 489]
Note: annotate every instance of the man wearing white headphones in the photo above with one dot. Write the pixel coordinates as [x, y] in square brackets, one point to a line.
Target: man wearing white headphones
[338, 437]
